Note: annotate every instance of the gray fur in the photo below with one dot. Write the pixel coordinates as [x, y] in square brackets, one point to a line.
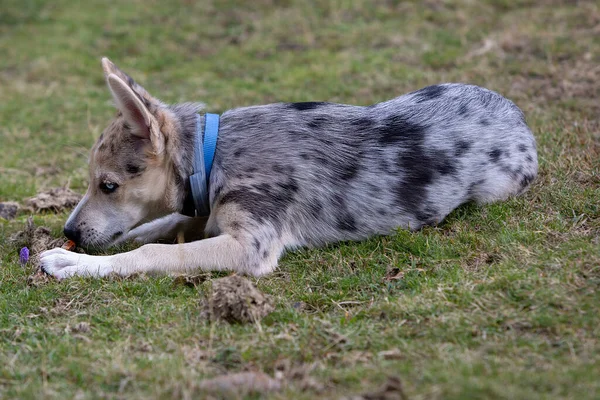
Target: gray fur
[306, 174]
[291, 174]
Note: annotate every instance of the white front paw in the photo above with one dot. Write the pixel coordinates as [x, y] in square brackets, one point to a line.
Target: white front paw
[62, 264]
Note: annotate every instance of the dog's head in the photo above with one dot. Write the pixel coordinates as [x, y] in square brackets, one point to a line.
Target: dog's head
[131, 180]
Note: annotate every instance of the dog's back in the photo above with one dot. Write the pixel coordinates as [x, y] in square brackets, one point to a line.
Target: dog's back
[313, 173]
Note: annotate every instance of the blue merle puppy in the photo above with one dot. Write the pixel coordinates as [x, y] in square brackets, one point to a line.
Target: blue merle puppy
[287, 175]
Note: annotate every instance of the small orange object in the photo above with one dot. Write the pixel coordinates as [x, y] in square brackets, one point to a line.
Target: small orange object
[69, 245]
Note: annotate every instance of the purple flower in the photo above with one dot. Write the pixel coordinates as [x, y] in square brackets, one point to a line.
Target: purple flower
[24, 255]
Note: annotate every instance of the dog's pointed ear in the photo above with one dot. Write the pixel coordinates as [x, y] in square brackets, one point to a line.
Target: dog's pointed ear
[132, 107]
[110, 68]
[141, 121]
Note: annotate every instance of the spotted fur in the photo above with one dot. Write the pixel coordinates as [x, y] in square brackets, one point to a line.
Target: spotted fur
[307, 174]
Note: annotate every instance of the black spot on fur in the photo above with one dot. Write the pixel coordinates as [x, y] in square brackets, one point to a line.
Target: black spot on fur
[362, 124]
[529, 158]
[473, 186]
[235, 225]
[463, 110]
[508, 171]
[344, 219]
[324, 161]
[315, 207]
[283, 169]
[290, 186]
[256, 244]
[461, 147]
[411, 190]
[397, 129]
[443, 164]
[133, 169]
[446, 168]
[526, 180]
[522, 148]
[238, 153]
[317, 122]
[349, 170]
[429, 93]
[485, 122]
[217, 190]
[263, 202]
[386, 167]
[265, 254]
[308, 105]
[346, 222]
[374, 189]
[305, 156]
[428, 216]
[495, 155]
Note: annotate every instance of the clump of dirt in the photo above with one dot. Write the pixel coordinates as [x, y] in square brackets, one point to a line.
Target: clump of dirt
[55, 200]
[236, 299]
[241, 383]
[37, 239]
[8, 210]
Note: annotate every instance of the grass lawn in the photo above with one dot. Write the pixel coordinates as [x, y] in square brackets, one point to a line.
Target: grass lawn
[498, 302]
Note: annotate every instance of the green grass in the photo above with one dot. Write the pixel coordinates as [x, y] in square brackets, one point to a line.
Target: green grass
[498, 302]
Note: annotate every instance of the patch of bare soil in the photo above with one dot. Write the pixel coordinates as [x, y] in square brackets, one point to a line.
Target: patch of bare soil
[37, 239]
[236, 299]
[565, 81]
[55, 200]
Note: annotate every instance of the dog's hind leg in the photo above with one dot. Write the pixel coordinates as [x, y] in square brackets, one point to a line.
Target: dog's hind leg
[223, 252]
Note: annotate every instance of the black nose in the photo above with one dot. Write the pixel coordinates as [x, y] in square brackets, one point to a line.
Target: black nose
[72, 233]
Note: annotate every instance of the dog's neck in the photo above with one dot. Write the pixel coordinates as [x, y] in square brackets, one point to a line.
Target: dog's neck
[181, 151]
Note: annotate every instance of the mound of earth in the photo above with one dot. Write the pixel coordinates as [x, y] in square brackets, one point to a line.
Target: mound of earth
[236, 299]
[55, 200]
[37, 239]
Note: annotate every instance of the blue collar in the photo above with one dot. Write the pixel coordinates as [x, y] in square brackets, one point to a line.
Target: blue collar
[204, 152]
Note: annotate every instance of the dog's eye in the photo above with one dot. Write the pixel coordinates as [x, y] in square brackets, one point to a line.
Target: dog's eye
[108, 187]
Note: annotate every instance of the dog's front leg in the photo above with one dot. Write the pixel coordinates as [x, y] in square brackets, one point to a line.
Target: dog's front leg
[167, 228]
[219, 253]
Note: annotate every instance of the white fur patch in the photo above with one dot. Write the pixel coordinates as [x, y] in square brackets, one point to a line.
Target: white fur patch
[62, 264]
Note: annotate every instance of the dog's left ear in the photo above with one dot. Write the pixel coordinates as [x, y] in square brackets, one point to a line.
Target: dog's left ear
[143, 124]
